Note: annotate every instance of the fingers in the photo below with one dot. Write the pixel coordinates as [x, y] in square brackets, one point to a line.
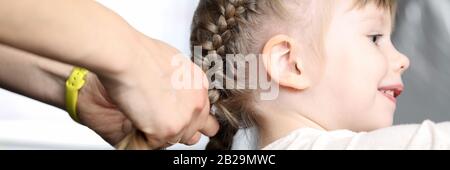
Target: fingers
[136, 140]
[195, 139]
[147, 142]
[192, 141]
[205, 123]
[211, 126]
[208, 125]
[188, 133]
[195, 125]
[176, 140]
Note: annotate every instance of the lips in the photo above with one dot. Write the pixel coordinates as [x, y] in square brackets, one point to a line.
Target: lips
[392, 91]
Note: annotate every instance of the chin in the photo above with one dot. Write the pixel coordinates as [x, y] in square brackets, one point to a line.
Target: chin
[382, 117]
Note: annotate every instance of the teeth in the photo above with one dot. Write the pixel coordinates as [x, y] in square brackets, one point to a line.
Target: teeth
[388, 92]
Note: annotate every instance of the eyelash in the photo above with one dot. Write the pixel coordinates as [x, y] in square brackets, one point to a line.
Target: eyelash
[375, 38]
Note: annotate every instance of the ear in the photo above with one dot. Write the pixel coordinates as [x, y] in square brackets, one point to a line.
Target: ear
[282, 65]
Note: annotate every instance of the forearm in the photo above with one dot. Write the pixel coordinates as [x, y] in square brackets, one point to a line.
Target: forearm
[79, 32]
[33, 76]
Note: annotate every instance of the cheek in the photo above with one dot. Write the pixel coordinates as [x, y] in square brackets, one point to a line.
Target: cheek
[354, 75]
[352, 89]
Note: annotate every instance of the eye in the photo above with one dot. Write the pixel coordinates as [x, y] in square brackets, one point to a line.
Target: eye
[375, 38]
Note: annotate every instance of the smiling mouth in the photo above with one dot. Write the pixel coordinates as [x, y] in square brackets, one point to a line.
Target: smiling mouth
[391, 92]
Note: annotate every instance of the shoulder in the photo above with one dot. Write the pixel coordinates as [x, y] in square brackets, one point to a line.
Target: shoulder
[427, 135]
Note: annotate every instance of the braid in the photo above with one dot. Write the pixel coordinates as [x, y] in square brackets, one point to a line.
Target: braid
[220, 35]
[221, 27]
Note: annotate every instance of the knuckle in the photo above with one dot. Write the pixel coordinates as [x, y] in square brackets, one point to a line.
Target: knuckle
[172, 130]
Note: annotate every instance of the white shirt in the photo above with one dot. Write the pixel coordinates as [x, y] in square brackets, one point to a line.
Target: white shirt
[428, 135]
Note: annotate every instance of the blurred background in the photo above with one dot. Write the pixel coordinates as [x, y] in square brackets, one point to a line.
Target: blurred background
[422, 33]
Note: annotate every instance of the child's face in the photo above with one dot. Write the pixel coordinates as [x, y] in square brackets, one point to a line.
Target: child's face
[360, 62]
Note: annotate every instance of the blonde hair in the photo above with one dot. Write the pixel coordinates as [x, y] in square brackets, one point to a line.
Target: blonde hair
[222, 27]
[391, 5]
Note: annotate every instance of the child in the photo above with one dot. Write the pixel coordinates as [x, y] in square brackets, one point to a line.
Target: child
[338, 74]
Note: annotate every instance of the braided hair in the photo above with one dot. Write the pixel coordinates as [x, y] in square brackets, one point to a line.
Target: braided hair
[222, 27]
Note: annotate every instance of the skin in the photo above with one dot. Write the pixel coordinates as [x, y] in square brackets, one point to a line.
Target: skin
[341, 90]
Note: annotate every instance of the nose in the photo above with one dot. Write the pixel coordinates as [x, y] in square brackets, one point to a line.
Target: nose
[401, 62]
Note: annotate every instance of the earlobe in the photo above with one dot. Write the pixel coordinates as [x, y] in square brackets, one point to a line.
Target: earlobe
[282, 65]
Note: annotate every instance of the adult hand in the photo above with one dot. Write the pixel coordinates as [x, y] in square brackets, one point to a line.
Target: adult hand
[153, 113]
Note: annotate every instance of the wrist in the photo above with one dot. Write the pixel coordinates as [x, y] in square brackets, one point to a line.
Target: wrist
[57, 74]
[142, 60]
